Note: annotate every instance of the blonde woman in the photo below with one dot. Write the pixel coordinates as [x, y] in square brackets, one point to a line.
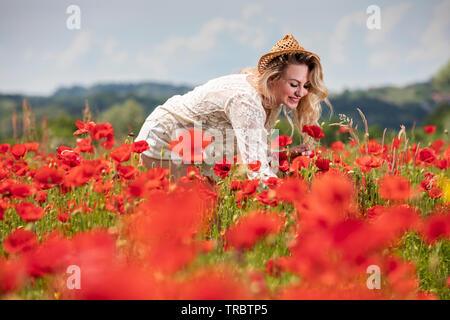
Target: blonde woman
[242, 107]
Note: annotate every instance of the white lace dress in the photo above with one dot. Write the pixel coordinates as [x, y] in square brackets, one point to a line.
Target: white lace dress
[230, 109]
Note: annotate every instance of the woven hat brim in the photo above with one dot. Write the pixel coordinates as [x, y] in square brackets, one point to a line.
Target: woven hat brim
[265, 59]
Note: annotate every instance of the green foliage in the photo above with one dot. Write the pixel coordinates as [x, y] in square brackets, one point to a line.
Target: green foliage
[440, 117]
[441, 81]
[124, 117]
[6, 110]
[61, 129]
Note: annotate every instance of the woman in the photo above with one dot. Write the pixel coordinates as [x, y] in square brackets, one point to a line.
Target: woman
[244, 106]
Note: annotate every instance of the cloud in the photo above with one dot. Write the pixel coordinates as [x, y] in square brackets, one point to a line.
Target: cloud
[109, 45]
[79, 46]
[28, 54]
[341, 33]
[250, 10]
[434, 44]
[382, 58]
[109, 49]
[203, 41]
[390, 16]
[119, 57]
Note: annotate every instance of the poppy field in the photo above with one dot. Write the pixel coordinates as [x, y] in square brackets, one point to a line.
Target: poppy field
[357, 220]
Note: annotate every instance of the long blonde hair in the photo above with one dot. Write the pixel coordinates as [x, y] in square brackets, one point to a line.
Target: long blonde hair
[309, 109]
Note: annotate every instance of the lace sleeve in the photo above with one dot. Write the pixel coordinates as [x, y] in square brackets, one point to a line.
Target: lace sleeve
[247, 120]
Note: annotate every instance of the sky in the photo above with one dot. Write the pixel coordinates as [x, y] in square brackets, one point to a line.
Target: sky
[191, 42]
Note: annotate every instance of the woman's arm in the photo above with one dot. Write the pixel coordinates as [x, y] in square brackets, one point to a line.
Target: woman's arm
[300, 150]
[247, 119]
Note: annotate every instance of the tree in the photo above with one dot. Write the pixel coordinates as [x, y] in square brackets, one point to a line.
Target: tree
[124, 117]
[441, 81]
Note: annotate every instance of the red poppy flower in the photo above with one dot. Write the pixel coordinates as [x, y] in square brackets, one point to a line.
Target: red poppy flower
[248, 187]
[235, 185]
[18, 151]
[22, 190]
[102, 130]
[84, 127]
[284, 165]
[68, 156]
[103, 186]
[4, 147]
[29, 211]
[20, 168]
[32, 146]
[367, 163]
[396, 143]
[81, 174]
[222, 168]
[192, 174]
[140, 146]
[3, 205]
[126, 172]
[373, 147]
[267, 197]
[443, 164]
[437, 146]
[281, 142]
[429, 129]
[254, 166]
[12, 275]
[331, 199]
[190, 145]
[427, 155]
[272, 269]
[374, 211]
[108, 143]
[49, 177]
[122, 153]
[214, 284]
[252, 227]
[313, 131]
[63, 215]
[169, 239]
[152, 179]
[395, 188]
[292, 189]
[84, 145]
[41, 196]
[300, 162]
[434, 193]
[20, 240]
[344, 129]
[338, 146]
[273, 182]
[435, 227]
[323, 164]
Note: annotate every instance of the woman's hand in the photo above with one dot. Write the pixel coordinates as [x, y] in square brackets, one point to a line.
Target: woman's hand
[300, 150]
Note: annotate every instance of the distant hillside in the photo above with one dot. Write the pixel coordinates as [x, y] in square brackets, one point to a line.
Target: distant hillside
[388, 107]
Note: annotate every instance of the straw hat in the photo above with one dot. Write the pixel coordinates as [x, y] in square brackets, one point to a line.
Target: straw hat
[286, 45]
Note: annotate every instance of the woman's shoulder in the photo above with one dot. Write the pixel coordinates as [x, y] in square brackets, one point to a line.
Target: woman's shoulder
[230, 80]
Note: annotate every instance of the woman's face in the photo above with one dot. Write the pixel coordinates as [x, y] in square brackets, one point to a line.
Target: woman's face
[292, 86]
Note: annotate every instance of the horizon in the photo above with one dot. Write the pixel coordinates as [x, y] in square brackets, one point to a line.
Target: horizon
[192, 86]
[120, 43]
